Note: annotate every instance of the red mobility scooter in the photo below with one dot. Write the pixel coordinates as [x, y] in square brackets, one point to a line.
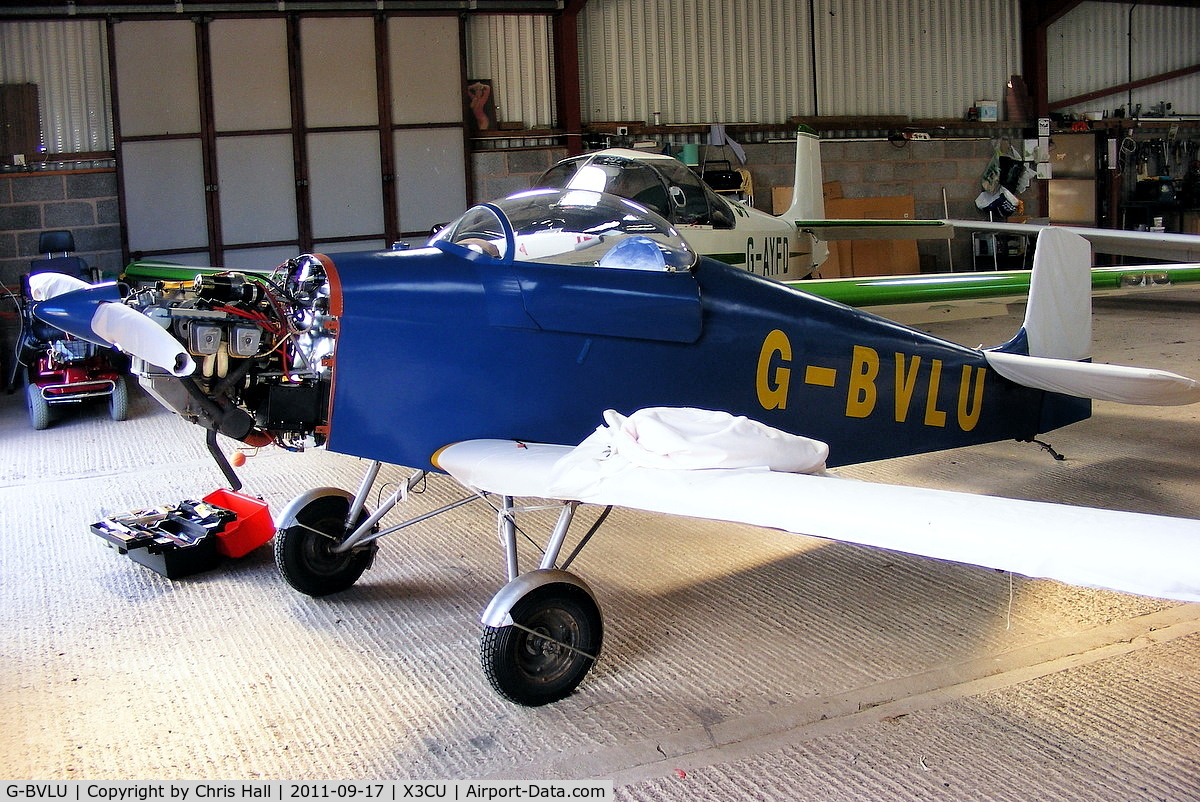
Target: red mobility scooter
[55, 368]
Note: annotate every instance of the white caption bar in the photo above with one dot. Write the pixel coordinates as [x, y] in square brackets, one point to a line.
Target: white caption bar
[489, 790]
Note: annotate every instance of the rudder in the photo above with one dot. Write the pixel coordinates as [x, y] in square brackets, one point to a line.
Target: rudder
[1058, 316]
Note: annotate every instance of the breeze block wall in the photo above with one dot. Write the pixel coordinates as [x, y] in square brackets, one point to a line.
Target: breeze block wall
[82, 202]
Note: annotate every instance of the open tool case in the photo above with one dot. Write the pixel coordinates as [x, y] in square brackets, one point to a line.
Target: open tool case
[191, 536]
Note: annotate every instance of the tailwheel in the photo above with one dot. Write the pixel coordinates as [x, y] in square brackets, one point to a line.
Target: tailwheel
[304, 551]
[548, 649]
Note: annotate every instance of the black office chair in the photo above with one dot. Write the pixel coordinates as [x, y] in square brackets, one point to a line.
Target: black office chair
[63, 244]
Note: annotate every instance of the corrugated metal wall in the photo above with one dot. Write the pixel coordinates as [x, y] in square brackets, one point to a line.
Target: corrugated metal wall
[754, 61]
[68, 60]
[1089, 50]
[515, 52]
[918, 58]
[695, 62]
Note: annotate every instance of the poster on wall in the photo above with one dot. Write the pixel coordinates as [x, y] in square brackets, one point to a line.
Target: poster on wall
[481, 103]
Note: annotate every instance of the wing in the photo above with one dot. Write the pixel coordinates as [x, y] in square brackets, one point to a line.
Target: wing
[922, 298]
[838, 229]
[934, 288]
[1142, 244]
[1131, 552]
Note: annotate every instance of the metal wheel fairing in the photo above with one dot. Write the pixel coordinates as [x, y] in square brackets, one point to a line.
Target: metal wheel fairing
[304, 550]
[556, 636]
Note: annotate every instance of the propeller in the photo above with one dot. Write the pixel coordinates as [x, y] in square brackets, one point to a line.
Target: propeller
[95, 313]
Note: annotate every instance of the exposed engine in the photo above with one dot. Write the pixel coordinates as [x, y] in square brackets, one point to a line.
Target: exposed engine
[263, 347]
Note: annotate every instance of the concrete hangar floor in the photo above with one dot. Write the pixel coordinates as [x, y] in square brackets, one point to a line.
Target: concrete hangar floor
[738, 663]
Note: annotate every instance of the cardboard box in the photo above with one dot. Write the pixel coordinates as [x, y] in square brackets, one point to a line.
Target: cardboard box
[873, 257]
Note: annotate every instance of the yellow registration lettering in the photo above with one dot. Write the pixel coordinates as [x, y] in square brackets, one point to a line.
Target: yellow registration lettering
[860, 399]
[933, 415]
[970, 404]
[906, 383]
[772, 384]
[821, 377]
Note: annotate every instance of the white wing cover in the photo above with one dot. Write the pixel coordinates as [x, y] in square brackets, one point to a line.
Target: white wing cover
[1131, 552]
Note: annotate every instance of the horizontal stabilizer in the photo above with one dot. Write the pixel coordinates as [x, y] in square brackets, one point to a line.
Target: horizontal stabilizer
[848, 229]
[1125, 385]
[1131, 552]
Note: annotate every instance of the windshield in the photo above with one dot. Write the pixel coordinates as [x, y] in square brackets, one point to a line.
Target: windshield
[571, 227]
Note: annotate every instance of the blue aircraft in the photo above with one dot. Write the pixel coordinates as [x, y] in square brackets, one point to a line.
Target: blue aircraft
[570, 345]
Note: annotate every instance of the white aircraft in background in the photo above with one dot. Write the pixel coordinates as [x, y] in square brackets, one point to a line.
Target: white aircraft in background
[792, 246]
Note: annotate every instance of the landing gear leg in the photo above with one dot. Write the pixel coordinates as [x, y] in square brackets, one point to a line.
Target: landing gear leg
[326, 536]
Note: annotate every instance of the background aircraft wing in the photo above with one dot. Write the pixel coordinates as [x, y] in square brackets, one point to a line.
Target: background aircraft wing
[1141, 244]
[925, 297]
[1131, 552]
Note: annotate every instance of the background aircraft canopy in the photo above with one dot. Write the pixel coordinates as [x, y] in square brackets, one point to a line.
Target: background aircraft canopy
[571, 227]
[665, 185]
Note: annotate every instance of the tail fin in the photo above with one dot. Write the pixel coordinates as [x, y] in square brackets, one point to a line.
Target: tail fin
[1058, 317]
[1052, 350]
[808, 200]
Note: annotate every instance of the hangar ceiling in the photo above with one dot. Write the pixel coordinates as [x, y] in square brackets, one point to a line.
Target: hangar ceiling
[76, 7]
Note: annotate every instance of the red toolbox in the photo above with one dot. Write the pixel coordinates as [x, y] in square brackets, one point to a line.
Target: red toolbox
[250, 529]
[192, 536]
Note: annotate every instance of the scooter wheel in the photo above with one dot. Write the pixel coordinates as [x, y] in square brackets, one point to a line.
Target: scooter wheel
[118, 402]
[39, 407]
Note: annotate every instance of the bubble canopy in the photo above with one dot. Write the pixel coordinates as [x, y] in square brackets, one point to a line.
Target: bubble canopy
[570, 227]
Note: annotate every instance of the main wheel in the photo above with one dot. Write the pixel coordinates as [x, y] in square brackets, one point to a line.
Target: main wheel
[304, 551]
[118, 402]
[39, 407]
[545, 654]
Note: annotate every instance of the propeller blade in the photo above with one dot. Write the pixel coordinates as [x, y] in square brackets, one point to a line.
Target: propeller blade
[72, 311]
[43, 286]
[134, 333]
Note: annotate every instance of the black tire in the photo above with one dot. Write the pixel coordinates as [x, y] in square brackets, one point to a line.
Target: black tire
[39, 407]
[534, 669]
[304, 551]
[118, 402]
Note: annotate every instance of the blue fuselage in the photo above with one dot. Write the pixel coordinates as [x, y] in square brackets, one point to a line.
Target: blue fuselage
[439, 346]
